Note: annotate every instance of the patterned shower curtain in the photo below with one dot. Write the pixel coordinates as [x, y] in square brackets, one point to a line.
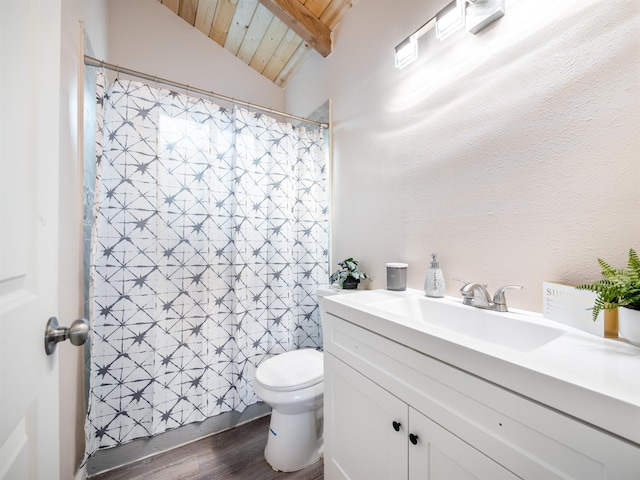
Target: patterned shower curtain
[210, 236]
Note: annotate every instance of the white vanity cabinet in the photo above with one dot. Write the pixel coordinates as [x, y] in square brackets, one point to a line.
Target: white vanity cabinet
[375, 435]
[379, 392]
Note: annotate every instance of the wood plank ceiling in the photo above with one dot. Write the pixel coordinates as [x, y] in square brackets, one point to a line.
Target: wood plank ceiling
[274, 37]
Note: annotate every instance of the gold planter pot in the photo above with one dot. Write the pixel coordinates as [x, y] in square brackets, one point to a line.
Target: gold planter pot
[610, 322]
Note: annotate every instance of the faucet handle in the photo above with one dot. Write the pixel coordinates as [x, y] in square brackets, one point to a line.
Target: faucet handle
[467, 296]
[499, 297]
[475, 294]
[464, 283]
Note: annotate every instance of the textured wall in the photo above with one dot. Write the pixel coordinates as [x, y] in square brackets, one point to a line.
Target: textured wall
[146, 36]
[514, 153]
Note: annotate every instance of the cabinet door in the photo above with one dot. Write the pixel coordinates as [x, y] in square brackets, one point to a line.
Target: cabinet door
[361, 441]
[438, 454]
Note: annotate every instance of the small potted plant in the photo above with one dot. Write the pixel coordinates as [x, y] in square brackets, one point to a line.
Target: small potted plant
[348, 276]
[620, 288]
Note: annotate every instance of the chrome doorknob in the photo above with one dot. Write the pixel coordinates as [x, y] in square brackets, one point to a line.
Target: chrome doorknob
[53, 334]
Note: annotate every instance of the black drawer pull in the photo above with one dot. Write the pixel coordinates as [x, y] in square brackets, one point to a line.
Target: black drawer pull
[413, 438]
[396, 426]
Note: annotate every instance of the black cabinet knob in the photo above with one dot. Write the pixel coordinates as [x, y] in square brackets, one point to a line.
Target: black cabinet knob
[413, 438]
[396, 426]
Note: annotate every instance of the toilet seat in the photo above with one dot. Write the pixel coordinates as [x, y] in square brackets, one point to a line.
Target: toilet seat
[293, 370]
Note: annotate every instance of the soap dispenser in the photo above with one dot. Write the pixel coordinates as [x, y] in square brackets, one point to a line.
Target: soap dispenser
[434, 285]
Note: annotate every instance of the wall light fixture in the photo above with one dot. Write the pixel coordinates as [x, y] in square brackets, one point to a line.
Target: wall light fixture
[407, 50]
[474, 15]
[450, 19]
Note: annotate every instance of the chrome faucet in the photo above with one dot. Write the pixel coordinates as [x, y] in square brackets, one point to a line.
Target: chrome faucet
[476, 295]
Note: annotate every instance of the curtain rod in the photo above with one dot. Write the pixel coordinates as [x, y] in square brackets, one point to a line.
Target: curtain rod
[94, 62]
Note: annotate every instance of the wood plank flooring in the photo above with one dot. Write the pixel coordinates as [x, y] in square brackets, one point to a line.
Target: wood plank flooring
[234, 454]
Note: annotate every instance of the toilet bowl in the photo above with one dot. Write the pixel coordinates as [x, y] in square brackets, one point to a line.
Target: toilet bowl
[292, 385]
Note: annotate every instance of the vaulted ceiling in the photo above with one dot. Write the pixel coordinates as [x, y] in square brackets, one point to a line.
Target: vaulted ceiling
[274, 37]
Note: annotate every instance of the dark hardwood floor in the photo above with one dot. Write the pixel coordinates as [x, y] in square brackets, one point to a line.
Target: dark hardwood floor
[235, 454]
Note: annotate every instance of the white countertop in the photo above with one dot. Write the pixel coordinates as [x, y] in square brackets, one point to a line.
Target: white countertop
[594, 379]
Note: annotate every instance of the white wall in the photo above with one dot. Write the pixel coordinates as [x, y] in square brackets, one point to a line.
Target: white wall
[146, 36]
[513, 153]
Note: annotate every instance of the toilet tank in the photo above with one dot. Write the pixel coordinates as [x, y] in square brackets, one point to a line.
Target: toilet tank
[326, 291]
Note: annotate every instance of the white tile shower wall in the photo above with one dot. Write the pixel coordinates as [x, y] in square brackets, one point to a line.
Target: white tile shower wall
[513, 153]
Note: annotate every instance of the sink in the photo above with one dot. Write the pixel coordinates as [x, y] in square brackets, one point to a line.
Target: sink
[510, 329]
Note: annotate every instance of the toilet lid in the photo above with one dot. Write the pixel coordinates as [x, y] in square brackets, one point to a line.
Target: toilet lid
[291, 370]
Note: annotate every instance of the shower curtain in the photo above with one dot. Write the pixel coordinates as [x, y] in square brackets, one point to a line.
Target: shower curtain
[210, 236]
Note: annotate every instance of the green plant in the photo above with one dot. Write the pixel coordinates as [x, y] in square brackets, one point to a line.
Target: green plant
[348, 268]
[619, 288]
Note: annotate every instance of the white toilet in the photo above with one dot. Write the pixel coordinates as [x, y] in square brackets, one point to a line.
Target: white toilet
[292, 385]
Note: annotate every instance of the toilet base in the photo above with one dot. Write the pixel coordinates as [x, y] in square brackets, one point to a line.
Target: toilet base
[295, 441]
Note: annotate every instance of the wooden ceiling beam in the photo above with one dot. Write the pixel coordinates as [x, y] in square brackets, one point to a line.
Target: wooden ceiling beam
[299, 19]
[335, 12]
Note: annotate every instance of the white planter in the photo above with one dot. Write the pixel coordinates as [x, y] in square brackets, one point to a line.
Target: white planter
[629, 324]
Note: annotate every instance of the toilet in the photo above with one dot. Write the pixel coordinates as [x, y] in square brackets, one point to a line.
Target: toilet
[292, 385]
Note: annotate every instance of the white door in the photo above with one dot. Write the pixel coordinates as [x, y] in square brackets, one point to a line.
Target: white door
[365, 429]
[29, 138]
[437, 454]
